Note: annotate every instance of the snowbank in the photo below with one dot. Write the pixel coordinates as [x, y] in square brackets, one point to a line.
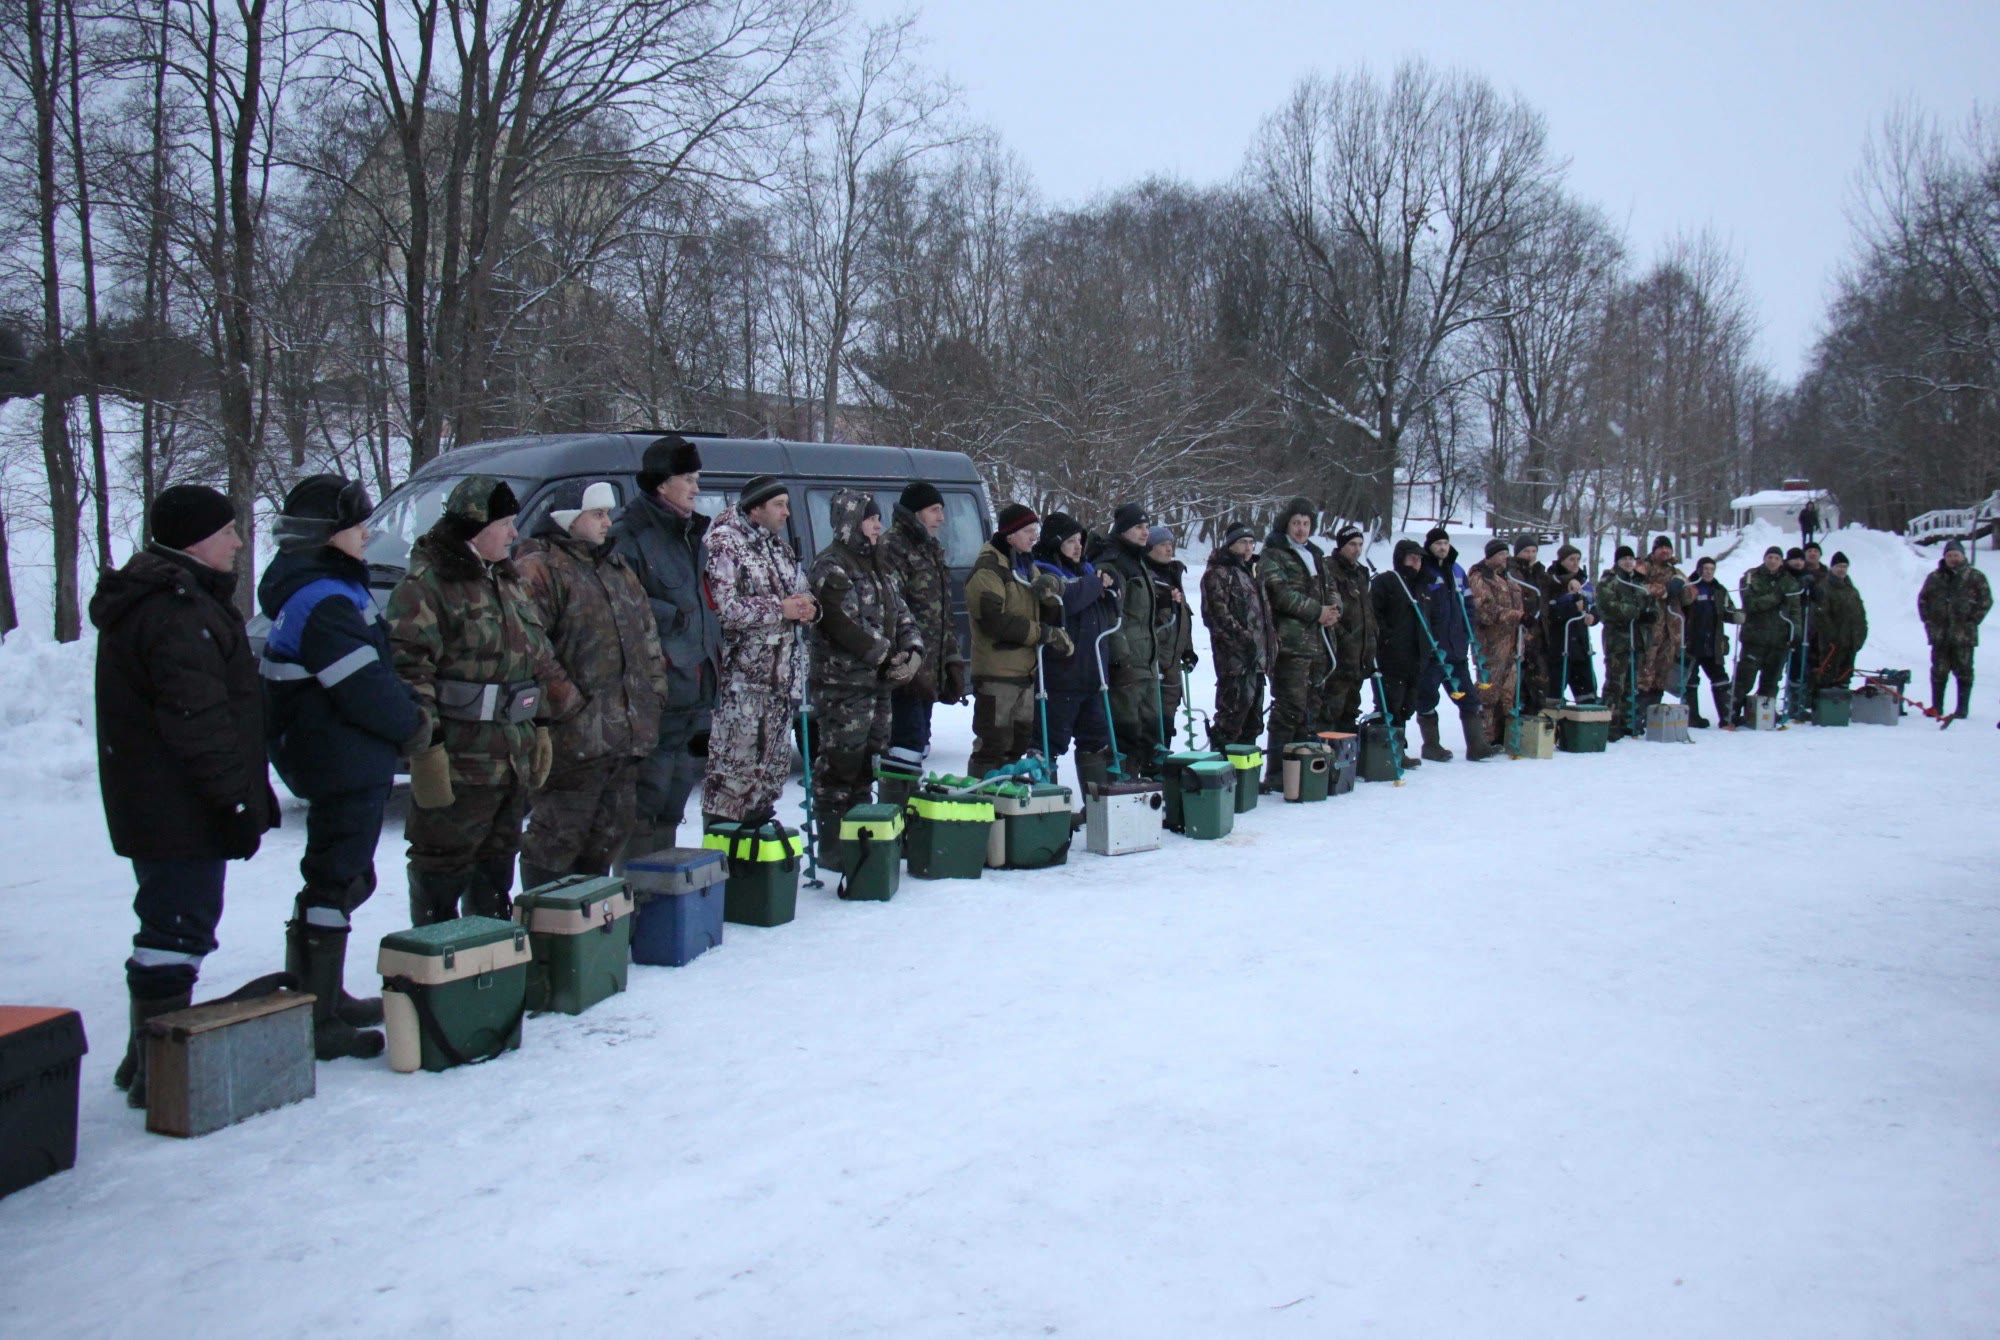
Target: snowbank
[48, 728]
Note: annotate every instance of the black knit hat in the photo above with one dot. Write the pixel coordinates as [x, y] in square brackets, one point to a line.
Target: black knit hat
[1624, 551]
[1237, 532]
[1527, 542]
[1795, 552]
[1812, 547]
[1128, 516]
[1838, 560]
[1568, 551]
[1496, 545]
[1013, 517]
[1703, 562]
[760, 491]
[666, 457]
[1660, 542]
[188, 514]
[1059, 526]
[1954, 547]
[917, 495]
[1774, 550]
[1436, 533]
[1348, 533]
[318, 508]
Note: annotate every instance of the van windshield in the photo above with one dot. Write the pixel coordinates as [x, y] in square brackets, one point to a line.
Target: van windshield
[410, 511]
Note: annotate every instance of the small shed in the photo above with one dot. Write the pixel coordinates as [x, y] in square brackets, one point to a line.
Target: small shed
[1781, 506]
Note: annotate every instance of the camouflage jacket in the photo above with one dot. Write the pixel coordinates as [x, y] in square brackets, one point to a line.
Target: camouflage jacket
[456, 617]
[1354, 637]
[913, 561]
[1241, 636]
[1627, 610]
[1954, 604]
[1134, 651]
[1663, 651]
[862, 621]
[1841, 620]
[1176, 636]
[1497, 608]
[1534, 600]
[750, 572]
[1768, 601]
[1296, 585]
[611, 683]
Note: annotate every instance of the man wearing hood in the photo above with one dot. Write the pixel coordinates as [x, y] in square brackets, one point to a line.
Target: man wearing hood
[1014, 611]
[1770, 597]
[1304, 611]
[468, 640]
[1354, 635]
[1242, 641]
[1569, 597]
[1954, 601]
[339, 720]
[605, 695]
[1074, 680]
[864, 647]
[1402, 647]
[1448, 612]
[662, 539]
[1629, 612]
[180, 745]
[761, 600]
[1137, 647]
[911, 557]
[1177, 654]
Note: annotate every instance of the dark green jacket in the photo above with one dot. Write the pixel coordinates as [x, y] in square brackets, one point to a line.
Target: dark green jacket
[1355, 635]
[1295, 586]
[1135, 648]
[1768, 601]
[1840, 620]
[1627, 610]
[1953, 604]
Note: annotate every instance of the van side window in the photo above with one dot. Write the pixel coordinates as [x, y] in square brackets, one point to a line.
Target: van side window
[819, 507]
[962, 534]
[566, 493]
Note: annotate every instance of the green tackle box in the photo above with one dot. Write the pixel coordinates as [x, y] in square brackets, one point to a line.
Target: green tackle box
[872, 836]
[1248, 760]
[1208, 800]
[453, 993]
[945, 834]
[763, 887]
[1031, 827]
[1584, 728]
[1308, 771]
[1175, 775]
[580, 930]
[1833, 706]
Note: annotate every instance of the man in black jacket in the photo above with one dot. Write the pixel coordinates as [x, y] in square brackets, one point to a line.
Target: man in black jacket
[1403, 653]
[338, 719]
[180, 741]
[660, 537]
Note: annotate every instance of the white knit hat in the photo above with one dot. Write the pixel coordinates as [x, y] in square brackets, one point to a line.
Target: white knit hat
[597, 495]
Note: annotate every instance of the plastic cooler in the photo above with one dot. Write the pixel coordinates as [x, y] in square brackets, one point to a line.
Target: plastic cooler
[580, 931]
[945, 834]
[678, 893]
[1208, 804]
[1533, 737]
[872, 836]
[1123, 817]
[1248, 760]
[1833, 706]
[763, 862]
[41, 1056]
[1175, 775]
[1031, 827]
[454, 993]
[1583, 729]
[1308, 771]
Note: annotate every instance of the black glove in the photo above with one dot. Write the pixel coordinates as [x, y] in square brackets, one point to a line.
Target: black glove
[241, 831]
[698, 744]
[1650, 614]
[1674, 588]
[1189, 660]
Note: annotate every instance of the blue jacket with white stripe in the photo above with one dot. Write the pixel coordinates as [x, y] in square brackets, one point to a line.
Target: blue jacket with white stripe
[337, 716]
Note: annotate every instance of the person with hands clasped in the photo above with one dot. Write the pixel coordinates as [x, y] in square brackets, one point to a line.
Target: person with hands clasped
[1014, 610]
[910, 556]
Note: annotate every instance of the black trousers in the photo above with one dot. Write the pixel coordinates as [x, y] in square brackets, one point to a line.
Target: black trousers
[341, 834]
[179, 905]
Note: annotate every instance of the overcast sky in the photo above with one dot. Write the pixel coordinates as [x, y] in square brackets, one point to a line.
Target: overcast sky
[1747, 118]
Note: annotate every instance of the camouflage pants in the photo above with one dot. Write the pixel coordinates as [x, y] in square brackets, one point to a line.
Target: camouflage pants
[1759, 671]
[749, 754]
[1003, 724]
[1952, 657]
[1343, 703]
[579, 820]
[464, 852]
[1239, 704]
[1496, 698]
[1301, 705]
[1619, 686]
[1135, 719]
[850, 727]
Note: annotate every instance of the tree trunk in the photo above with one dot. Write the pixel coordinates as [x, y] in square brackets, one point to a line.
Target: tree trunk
[58, 453]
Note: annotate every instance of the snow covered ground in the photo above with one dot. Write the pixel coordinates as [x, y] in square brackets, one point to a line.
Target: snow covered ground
[1680, 1040]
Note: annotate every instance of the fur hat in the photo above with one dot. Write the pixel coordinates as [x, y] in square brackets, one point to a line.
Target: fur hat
[188, 514]
[598, 495]
[666, 457]
[1299, 506]
[917, 495]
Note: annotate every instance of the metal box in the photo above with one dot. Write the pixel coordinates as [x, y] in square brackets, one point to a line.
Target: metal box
[1874, 707]
[1123, 817]
[215, 1065]
[1667, 723]
[1763, 712]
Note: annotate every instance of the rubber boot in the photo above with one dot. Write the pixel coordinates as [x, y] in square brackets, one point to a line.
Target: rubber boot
[1692, 700]
[1725, 708]
[1401, 739]
[1964, 696]
[1938, 682]
[322, 952]
[355, 1011]
[1434, 750]
[491, 883]
[645, 840]
[435, 895]
[131, 1073]
[895, 787]
[1473, 721]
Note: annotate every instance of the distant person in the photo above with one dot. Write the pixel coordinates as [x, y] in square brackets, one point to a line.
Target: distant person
[1711, 610]
[1954, 602]
[1842, 623]
[180, 745]
[912, 557]
[1242, 640]
[1354, 635]
[1135, 650]
[1013, 610]
[1808, 524]
[1571, 668]
[1305, 608]
[1177, 654]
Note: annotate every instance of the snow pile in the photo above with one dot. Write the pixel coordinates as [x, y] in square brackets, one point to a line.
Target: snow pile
[48, 728]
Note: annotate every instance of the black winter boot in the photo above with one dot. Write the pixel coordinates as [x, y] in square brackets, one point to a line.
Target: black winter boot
[131, 1073]
[1964, 696]
[1938, 682]
[435, 895]
[1725, 709]
[1401, 739]
[492, 883]
[356, 1011]
[321, 952]
[1434, 750]
[1473, 720]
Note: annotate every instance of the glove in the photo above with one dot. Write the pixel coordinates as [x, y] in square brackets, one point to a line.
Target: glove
[903, 667]
[1057, 641]
[1649, 614]
[242, 833]
[1189, 660]
[420, 738]
[952, 690]
[1047, 587]
[1674, 587]
[924, 684]
[698, 744]
[545, 758]
[430, 778]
